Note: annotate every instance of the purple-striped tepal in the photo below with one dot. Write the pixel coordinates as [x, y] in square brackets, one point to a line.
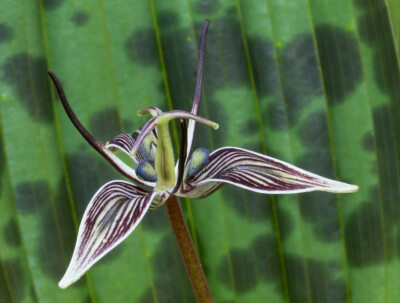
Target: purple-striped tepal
[118, 206]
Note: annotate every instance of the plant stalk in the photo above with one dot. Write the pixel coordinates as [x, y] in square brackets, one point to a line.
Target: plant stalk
[189, 255]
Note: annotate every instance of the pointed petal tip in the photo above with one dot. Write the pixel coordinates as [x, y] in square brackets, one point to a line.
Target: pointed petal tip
[342, 188]
[65, 282]
[69, 278]
[62, 284]
[350, 188]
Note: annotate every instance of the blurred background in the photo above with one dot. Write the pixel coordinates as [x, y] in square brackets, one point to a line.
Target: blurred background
[312, 82]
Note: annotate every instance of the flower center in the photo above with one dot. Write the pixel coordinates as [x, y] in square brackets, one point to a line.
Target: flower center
[164, 163]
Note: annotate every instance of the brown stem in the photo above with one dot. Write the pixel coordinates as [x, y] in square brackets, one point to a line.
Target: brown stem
[189, 255]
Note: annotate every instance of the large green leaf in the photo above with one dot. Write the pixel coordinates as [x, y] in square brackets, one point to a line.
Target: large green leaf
[312, 82]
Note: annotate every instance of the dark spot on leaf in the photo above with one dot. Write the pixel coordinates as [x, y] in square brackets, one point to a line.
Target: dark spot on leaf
[2, 157]
[264, 66]
[167, 19]
[5, 295]
[321, 209]
[249, 205]
[15, 280]
[364, 230]
[277, 118]
[375, 29]
[227, 68]
[88, 299]
[265, 251]
[285, 221]
[207, 137]
[256, 207]
[11, 233]
[243, 262]
[249, 266]
[27, 74]
[5, 33]
[167, 263]
[206, 7]
[106, 124]
[148, 297]
[80, 18]
[300, 74]
[156, 220]
[311, 280]
[307, 279]
[52, 4]
[32, 294]
[314, 134]
[368, 142]
[58, 235]
[32, 196]
[225, 63]
[180, 58]
[367, 3]
[250, 127]
[128, 126]
[364, 235]
[340, 61]
[314, 131]
[141, 46]
[387, 137]
[374, 192]
[88, 172]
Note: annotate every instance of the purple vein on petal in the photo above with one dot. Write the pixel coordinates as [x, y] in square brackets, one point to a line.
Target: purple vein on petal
[112, 214]
[123, 142]
[257, 172]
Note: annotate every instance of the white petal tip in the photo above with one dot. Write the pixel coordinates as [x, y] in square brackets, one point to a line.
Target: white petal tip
[67, 280]
[63, 284]
[342, 188]
[350, 188]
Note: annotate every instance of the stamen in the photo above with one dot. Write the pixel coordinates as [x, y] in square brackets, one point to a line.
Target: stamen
[146, 171]
[182, 156]
[148, 148]
[165, 162]
[198, 161]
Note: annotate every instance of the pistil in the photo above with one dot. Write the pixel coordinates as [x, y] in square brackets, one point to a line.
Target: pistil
[165, 162]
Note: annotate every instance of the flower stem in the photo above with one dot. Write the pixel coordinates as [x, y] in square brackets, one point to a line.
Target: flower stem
[189, 255]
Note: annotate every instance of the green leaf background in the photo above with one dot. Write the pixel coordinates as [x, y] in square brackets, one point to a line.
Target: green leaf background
[312, 82]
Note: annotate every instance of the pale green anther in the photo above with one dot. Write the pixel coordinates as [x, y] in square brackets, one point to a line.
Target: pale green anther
[198, 161]
[146, 172]
[165, 162]
[150, 147]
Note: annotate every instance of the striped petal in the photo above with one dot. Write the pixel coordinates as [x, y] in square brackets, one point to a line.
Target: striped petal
[256, 172]
[112, 214]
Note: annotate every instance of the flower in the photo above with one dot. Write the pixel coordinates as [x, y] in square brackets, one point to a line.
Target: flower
[118, 206]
